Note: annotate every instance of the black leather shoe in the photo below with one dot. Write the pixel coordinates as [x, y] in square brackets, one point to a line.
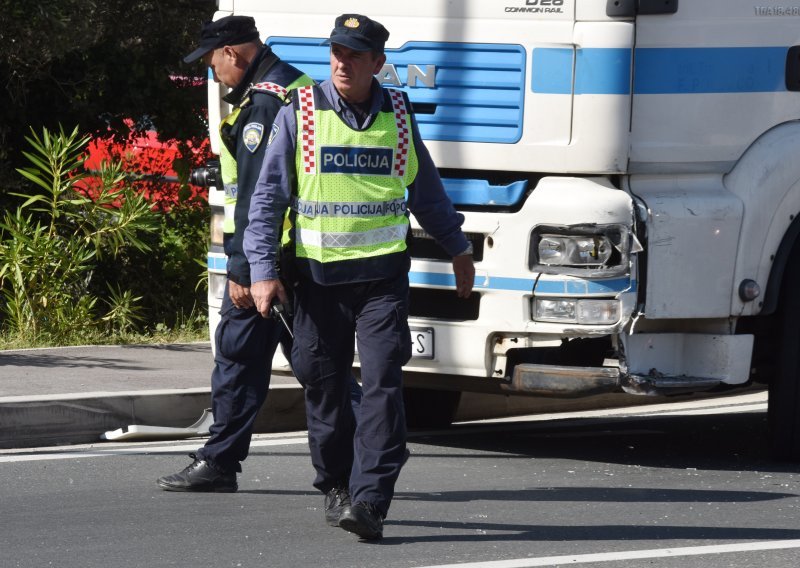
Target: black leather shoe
[363, 519]
[336, 501]
[199, 476]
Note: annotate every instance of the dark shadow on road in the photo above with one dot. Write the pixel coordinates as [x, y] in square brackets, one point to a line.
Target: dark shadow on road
[571, 494]
[68, 361]
[200, 347]
[725, 442]
[83, 357]
[599, 495]
[310, 493]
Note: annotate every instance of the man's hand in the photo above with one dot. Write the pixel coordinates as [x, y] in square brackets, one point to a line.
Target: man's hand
[264, 292]
[465, 274]
[240, 295]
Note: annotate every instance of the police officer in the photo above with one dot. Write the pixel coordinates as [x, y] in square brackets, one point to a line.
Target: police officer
[341, 156]
[259, 82]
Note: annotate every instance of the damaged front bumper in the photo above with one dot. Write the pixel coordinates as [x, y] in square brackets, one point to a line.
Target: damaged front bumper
[653, 364]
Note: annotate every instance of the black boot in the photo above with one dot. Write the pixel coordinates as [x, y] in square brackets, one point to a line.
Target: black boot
[199, 476]
[363, 519]
[336, 501]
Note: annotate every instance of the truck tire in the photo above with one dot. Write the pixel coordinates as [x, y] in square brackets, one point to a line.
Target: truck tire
[784, 385]
[429, 408]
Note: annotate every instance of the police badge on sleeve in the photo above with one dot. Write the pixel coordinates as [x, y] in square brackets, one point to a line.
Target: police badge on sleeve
[252, 134]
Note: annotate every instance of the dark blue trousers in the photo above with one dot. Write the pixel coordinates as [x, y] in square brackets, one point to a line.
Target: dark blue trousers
[366, 447]
[245, 344]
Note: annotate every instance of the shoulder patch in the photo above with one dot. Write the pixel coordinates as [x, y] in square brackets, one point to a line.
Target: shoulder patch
[272, 133]
[252, 134]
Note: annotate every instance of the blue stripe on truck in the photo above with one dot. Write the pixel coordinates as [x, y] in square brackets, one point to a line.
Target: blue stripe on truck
[710, 70]
[561, 287]
[656, 71]
[219, 263]
[602, 71]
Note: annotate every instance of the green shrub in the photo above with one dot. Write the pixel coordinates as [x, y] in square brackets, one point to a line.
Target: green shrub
[105, 268]
[169, 276]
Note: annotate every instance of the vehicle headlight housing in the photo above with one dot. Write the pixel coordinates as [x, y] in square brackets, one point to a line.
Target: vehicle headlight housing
[558, 250]
[580, 250]
[576, 310]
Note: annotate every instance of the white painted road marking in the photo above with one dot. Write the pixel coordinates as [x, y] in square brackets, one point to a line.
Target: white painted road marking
[139, 449]
[627, 555]
[738, 403]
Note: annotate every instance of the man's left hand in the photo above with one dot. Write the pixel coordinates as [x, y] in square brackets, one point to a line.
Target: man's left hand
[240, 295]
[464, 270]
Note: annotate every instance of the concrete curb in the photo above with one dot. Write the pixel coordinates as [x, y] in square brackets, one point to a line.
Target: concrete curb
[81, 418]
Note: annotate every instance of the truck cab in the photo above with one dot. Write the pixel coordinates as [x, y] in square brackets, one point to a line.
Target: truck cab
[627, 177]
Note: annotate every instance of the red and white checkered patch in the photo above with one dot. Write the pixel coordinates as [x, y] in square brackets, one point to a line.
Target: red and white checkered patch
[307, 128]
[403, 134]
[267, 87]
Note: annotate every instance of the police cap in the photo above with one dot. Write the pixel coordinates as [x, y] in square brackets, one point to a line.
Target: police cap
[359, 33]
[230, 30]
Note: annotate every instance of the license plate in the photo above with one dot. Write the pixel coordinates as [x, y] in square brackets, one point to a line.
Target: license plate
[422, 342]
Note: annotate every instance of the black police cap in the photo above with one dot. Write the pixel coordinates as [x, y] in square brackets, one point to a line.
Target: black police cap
[358, 33]
[230, 30]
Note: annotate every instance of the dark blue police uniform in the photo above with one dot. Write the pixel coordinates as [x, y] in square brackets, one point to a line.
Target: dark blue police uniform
[332, 303]
[245, 341]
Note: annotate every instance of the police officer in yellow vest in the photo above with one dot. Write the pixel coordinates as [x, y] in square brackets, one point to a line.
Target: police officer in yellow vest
[341, 158]
[245, 342]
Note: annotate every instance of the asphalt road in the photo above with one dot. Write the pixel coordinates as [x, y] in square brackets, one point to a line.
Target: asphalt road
[635, 488]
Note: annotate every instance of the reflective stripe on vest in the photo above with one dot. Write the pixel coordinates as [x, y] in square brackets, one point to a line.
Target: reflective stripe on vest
[227, 161]
[351, 184]
[379, 236]
[349, 209]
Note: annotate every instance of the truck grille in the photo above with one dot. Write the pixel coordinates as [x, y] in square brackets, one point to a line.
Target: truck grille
[443, 305]
[422, 246]
[479, 88]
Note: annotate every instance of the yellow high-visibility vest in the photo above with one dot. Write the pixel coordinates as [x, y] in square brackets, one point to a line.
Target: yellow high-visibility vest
[350, 202]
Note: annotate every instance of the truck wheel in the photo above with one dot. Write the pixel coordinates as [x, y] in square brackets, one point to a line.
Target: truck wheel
[784, 385]
[429, 408]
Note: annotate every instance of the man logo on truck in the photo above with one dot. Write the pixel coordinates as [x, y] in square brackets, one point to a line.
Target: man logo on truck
[416, 76]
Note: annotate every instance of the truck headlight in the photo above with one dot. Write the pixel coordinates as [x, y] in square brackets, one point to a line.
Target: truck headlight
[576, 310]
[217, 218]
[586, 251]
[592, 250]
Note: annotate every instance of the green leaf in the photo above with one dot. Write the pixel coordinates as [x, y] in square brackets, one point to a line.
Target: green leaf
[35, 179]
[30, 200]
[39, 163]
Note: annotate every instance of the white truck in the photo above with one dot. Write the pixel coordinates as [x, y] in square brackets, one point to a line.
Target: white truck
[629, 171]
